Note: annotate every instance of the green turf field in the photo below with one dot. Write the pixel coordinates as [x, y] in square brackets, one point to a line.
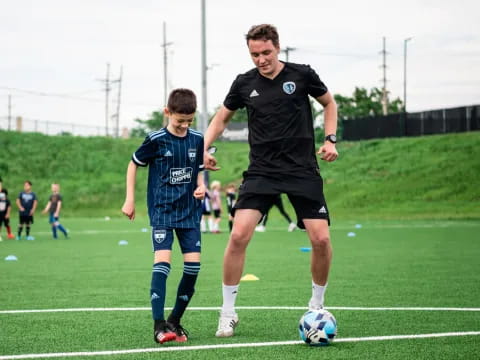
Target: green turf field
[388, 271]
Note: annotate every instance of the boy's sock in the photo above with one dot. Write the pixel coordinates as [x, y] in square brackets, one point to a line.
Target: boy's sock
[185, 291]
[229, 296]
[210, 225]
[19, 232]
[28, 230]
[230, 225]
[62, 229]
[54, 231]
[158, 288]
[9, 230]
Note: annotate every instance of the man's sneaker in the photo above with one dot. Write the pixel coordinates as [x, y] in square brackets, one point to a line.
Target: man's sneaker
[260, 228]
[162, 332]
[312, 306]
[226, 324]
[292, 227]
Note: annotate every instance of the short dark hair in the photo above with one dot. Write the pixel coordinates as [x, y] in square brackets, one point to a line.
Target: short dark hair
[29, 182]
[182, 101]
[263, 32]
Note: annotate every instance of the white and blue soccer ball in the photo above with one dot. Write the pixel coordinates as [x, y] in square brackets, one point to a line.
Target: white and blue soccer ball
[317, 327]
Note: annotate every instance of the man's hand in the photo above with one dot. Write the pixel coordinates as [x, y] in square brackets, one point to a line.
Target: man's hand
[128, 209]
[199, 192]
[209, 161]
[328, 151]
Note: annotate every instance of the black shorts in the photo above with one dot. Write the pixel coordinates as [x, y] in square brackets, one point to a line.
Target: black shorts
[25, 219]
[216, 213]
[3, 220]
[305, 194]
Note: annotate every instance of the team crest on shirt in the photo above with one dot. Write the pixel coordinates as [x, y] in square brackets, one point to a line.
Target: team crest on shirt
[289, 87]
[159, 235]
[192, 154]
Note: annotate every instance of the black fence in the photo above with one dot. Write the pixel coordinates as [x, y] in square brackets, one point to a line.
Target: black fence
[458, 119]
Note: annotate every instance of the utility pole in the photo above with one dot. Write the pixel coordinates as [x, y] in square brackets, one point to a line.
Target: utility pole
[384, 80]
[9, 111]
[287, 51]
[107, 92]
[405, 73]
[165, 45]
[117, 116]
[204, 115]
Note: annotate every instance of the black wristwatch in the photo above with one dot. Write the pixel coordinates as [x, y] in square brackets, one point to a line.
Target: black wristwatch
[332, 138]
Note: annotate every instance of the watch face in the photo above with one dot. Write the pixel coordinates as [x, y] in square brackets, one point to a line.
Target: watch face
[332, 138]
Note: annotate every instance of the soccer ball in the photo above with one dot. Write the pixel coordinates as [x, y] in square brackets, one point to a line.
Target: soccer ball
[317, 327]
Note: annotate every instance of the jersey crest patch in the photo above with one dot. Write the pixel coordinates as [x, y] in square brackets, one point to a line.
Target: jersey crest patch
[192, 154]
[289, 87]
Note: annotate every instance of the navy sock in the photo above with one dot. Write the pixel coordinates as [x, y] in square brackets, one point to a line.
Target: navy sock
[158, 289]
[54, 231]
[185, 291]
[20, 231]
[62, 229]
[28, 230]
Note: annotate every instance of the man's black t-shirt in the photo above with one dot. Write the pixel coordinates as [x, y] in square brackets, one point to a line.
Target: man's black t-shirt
[280, 123]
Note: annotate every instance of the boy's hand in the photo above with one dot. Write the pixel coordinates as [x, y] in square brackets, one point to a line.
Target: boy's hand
[199, 192]
[128, 209]
[44, 211]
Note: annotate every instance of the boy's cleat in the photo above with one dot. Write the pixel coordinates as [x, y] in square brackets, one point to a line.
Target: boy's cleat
[30, 237]
[11, 236]
[292, 227]
[226, 324]
[1, 238]
[180, 333]
[18, 238]
[162, 332]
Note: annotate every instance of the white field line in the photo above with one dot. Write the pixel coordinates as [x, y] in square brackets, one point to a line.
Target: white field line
[347, 308]
[279, 228]
[230, 346]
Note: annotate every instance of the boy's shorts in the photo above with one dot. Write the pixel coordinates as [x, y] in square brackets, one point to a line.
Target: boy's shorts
[52, 219]
[189, 239]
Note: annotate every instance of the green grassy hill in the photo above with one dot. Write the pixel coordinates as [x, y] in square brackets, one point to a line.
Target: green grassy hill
[425, 177]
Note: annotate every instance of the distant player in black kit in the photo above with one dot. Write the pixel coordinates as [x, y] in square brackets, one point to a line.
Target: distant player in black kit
[5, 210]
[27, 204]
[231, 199]
[282, 159]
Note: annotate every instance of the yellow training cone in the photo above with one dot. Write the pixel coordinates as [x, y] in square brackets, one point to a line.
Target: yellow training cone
[249, 277]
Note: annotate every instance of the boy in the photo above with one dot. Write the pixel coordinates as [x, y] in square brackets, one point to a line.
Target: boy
[5, 209]
[27, 204]
[54, 206]
[231, 199]
[175, 188]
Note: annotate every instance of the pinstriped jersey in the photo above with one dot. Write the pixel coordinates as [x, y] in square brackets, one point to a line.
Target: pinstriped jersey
[174, 163]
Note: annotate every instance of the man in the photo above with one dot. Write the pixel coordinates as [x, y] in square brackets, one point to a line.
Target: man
[282, 159]
[175, 188]
[27, 204]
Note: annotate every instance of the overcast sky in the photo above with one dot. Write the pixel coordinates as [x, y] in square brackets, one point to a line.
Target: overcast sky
[61, 47]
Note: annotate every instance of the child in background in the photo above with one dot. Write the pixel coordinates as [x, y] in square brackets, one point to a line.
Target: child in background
[230, 196]
[27, 204]
[216, 201]
[54, 206]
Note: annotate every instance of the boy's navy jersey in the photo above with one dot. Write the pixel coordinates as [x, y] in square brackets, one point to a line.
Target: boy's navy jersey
[280, 123]
[230, 201]
[26, 200]
[174, 163]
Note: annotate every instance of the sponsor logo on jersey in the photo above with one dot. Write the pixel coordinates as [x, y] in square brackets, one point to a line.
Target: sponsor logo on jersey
[159, 235]
[254, 93]
[168, 153]
[181, 175]
[192, 154]
[289, 87]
